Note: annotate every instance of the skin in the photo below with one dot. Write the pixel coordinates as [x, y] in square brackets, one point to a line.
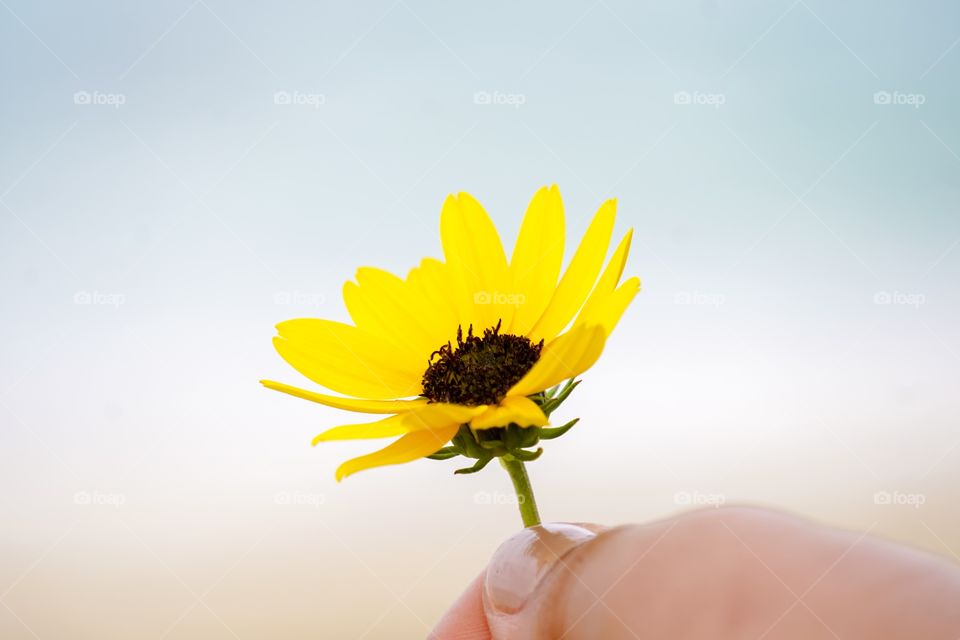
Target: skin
[714, 574]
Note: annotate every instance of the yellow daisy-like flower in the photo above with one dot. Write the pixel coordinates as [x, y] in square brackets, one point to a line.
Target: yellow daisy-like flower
[468, 340]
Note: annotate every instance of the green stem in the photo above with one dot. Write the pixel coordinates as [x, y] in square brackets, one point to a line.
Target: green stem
[521, 484]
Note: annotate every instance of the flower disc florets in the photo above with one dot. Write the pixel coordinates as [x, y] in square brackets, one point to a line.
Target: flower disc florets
[480, 369]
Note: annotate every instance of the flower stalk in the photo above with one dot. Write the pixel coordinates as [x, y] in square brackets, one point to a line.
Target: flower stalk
[524, 490]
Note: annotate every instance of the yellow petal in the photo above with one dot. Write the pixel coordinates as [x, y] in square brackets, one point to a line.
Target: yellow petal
[609, 313]
[386, 428]
[367, 315]
[348, 360]
[387, 306]
[349, 404]
[435, 415]
[407, 448]
[537, 258]
[513, 409]
[441, 414]
[569, 355]
[450, 304]
[607, 283]
[473, 250]
[580, 275]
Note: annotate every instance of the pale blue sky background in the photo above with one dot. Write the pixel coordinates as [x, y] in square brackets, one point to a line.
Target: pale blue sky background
[148, 247]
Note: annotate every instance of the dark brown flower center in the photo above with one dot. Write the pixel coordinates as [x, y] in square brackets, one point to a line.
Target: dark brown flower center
[479, 370]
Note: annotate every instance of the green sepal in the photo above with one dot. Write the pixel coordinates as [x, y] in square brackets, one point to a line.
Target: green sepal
[480, 464]
[551, 403]
[444, 455]
[526, 456]
[556, 432]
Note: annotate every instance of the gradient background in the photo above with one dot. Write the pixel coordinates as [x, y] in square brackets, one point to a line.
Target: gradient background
[796, 343]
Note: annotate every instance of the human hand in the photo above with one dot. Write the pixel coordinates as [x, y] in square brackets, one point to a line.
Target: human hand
[714, 574]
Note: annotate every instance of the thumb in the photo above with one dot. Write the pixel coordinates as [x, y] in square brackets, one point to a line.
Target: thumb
[718, 573]
[525, 581]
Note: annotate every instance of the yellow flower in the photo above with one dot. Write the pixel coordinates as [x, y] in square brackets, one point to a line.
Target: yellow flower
[467, 340]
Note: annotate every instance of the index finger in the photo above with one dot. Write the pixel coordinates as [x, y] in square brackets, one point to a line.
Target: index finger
[465, 620]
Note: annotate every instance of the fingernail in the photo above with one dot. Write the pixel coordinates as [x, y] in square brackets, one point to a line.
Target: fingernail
[521, 563]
